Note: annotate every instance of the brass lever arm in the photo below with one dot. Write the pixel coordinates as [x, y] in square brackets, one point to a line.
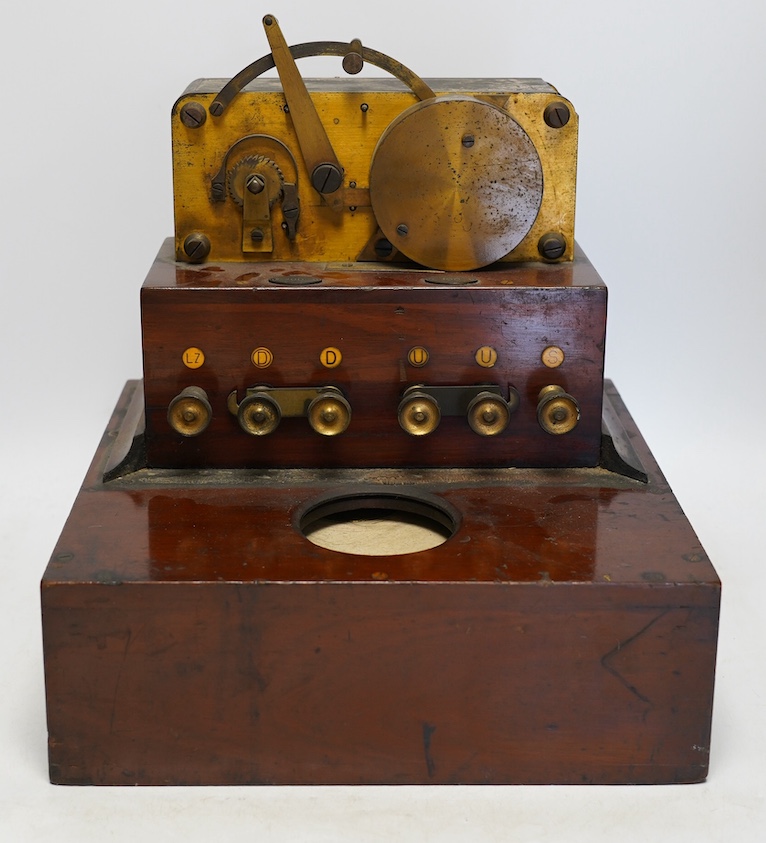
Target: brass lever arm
[318, 48]
[321, 161]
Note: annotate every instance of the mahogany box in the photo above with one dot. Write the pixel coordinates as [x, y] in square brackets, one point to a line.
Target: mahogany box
[565, 632]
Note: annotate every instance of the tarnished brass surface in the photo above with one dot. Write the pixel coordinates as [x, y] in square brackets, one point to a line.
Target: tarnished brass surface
[321, 48]
[189, 413]
[419, 413]
[329, 413]
[355, 112]
[455, 183]
[263, 407]
[321, 161]
[488, 414]
[557, 411]
[259, 414]
[467, 171]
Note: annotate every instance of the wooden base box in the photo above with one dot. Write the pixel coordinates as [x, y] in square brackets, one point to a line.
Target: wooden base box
[564, 633]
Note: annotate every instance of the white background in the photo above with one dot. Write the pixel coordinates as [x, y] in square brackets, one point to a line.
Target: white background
[671, 193]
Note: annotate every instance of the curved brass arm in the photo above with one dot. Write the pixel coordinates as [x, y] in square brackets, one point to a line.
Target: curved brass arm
[318, 48]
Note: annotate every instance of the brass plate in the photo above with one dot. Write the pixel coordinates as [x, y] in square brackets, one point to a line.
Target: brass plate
[455, 183]
[257, 124]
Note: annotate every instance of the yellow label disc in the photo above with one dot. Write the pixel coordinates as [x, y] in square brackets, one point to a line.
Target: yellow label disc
[262, 357]
[418, 356]
[330, 357]
[193, 357]
[486, 356]
[552, 356]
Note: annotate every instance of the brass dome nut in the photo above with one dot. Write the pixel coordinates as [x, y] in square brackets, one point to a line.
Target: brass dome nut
[189, 413]
[488, 414]
[419, 413]
[196, 247]
[557, 411]
[329, 413]
[259, 414]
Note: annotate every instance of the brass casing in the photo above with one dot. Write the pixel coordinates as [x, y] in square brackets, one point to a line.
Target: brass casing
[355, 113]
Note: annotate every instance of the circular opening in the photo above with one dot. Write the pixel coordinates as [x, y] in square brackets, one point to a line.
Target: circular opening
[379, 523]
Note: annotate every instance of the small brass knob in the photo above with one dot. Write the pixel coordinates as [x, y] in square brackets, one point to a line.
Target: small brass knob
[488, 414]
[419, 413]
[329, 413]
[557, 411]
[189, 413]
[259, 414]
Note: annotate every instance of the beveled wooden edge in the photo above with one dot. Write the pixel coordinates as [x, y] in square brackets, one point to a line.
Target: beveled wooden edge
[124, 464]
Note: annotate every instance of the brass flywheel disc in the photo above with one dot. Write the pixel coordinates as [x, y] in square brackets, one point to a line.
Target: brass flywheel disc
[455, 183]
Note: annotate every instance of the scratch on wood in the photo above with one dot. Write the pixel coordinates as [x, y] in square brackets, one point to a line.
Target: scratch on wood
[428, 731]
[119, 676]
[621, 646]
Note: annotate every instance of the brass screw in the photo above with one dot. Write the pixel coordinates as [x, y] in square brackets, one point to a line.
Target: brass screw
[556, 114]
[193, 115]
[326, 178]
[552, 245]
[197, 247]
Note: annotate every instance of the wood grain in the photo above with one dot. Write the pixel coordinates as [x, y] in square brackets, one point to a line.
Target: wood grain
[565, 633]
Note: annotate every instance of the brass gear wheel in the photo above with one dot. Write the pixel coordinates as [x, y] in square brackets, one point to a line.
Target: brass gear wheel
[262, 166]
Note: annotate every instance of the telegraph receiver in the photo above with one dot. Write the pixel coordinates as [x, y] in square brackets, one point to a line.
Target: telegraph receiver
[451, 174]
[361, 271]
[374, 304]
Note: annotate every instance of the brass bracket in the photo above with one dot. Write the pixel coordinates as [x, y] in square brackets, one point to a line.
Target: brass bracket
[455, 400]
[263, 407]
[485, 407]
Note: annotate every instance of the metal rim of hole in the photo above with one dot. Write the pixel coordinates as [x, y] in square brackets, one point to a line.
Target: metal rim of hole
[412, 505]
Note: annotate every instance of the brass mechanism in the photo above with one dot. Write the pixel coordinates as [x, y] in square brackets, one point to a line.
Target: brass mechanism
[189, 413]
[453, 177]
[557, 411]
[263, 407]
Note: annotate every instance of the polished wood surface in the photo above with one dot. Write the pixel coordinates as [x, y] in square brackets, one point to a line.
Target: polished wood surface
[566, 632]
[373, 318]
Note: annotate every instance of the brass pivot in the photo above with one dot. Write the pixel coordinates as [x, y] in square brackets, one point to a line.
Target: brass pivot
[259, 414]
[488, 414]
[419, 413]
[189, 413]
[329, 413]
[557, 411]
